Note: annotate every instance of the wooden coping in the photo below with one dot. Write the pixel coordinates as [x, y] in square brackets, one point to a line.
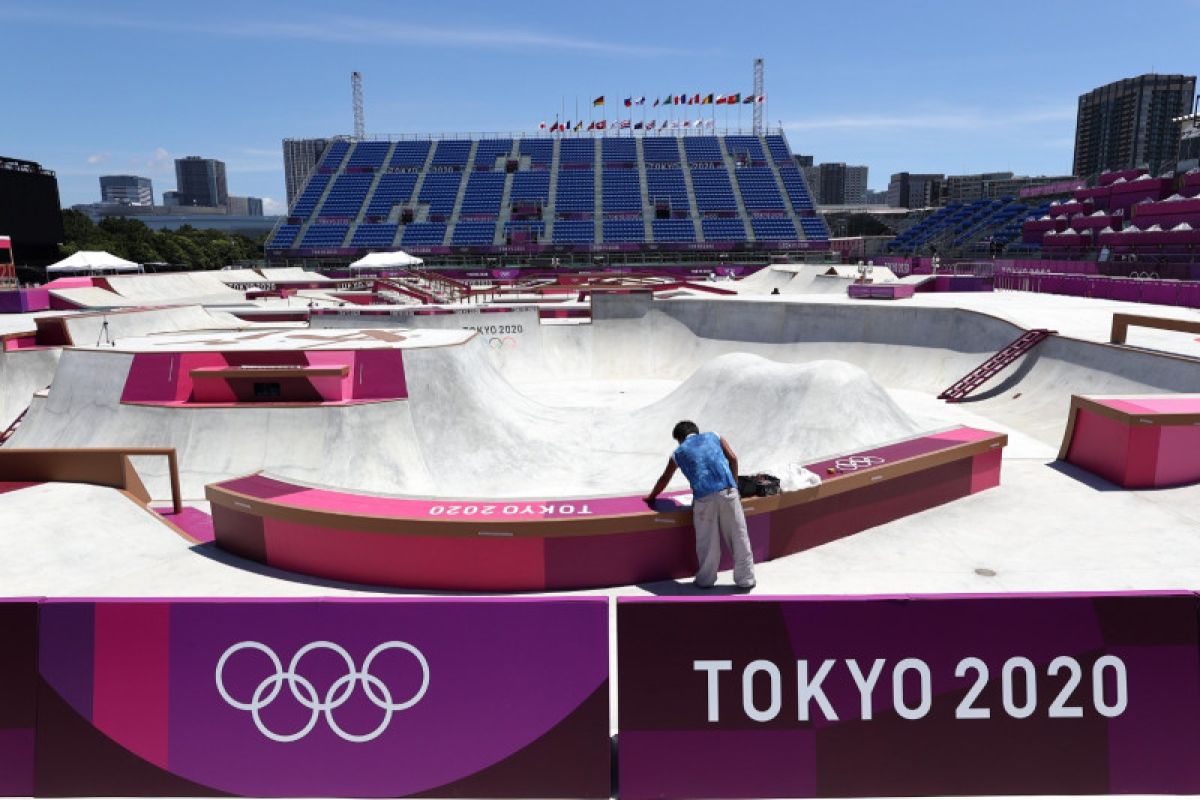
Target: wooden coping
[1121, 324]
[594, 525]
[99, 466]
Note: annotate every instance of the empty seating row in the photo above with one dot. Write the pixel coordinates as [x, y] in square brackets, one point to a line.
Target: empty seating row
[428, 234]
[334, 154]
[624, 230]
[758, 188]
[530, 187]
[440, 191]
[452, 153]
[667, 185]
[325, 235]
[723, 229]
[619, 151]
[369, 154]
[346, 196]
[703, 150]
[410, 154]
[307, 201]
[622, 190]
[484, 192]
[488, 150]
[745, 146]
[674, 230]
[539, 151]
[576, 191]
[661, 151]
[374, 235]
[395, 188]
[777, 229]
[284, 236]
[713, 190]
[572, 231]
[814, 228]
[473, 233]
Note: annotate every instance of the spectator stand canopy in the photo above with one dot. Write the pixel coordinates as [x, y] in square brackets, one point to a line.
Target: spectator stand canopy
[393, 260]
[92, 262]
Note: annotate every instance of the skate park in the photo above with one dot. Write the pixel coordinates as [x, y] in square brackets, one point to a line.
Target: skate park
[340, 529]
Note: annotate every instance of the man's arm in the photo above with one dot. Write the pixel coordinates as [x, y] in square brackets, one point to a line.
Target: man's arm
[731, 457]
[663, 480]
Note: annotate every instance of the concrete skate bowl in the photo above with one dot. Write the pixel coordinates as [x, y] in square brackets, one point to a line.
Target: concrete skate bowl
[477, 430]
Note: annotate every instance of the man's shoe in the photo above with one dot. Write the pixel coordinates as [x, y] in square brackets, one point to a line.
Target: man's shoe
[747, 585]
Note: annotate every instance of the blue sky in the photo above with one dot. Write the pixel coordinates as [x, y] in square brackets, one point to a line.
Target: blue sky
[950, 86]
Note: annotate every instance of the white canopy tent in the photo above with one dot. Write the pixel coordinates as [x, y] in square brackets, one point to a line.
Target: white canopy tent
[93, 261]
[393, 260]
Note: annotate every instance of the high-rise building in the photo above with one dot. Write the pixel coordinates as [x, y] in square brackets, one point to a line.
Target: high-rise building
[969, 188]
[1130, 123]
[201, 182]
[837, 183]
[245, 206]
[300, 158]
[915, 190]
[30, 213]
[1189, 139]
[129, 190]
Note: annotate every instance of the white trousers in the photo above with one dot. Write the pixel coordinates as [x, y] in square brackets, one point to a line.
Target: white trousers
[719, 516]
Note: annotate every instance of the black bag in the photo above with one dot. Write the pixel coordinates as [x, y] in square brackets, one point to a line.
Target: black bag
[760, 485]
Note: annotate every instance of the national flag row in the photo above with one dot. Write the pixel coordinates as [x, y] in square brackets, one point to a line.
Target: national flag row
[625, 124]
[690, 100]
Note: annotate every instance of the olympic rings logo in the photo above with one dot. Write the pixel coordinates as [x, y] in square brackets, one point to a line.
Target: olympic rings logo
[339, 692]
[502, 343]
[857, 462]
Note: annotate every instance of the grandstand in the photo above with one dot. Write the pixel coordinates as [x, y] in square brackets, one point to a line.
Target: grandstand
[1128, 216]
[563, 195]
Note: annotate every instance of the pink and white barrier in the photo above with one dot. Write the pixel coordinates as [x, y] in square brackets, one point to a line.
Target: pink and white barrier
[894, 696]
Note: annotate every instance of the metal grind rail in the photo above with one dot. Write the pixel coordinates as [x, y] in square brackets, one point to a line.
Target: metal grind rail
[996, 364]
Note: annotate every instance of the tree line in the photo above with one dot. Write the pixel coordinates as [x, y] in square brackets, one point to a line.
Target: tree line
[132, 240]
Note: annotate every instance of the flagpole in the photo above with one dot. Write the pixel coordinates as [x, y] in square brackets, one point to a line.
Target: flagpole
[576, 110]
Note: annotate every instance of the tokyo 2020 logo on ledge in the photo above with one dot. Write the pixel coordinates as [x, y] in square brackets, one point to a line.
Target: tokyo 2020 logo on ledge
[303, 691]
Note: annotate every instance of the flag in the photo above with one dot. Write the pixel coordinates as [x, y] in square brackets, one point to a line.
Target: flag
[639, 101]
[734, 99]
[624, 124]
[565, 127]
[696, 100]
[637, 126]
[591, 126]
[707, 101]
[674, 100]
[579, 125]
[600, 125]
[542, 125]
[749, 99]
[628, 102]
[656, 102]
[599, 101]
[650, 125]
[721, 100]
[710, 122]
[687, 123]
[759, 99]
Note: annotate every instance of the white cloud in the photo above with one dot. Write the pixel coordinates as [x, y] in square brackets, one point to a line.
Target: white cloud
[273, 207]
[98, 158]
[343, 29]
[160, 161]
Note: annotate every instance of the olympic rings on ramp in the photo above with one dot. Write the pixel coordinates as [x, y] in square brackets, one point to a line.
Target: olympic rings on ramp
[502, 343]
[853, 463]
[304, 693]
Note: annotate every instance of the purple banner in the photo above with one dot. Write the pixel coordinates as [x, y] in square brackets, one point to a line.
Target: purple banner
[354, 698]
[894, 696]
[565, 249]
[18, 696]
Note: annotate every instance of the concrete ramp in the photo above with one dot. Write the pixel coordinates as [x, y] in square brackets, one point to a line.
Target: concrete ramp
[240, 276]
[293, 274]
[175, 288]
[92, 297]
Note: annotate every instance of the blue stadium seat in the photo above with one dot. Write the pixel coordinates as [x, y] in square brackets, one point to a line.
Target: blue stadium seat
[284, 236]
[451, 153]
[661, 150]
[573, 231]
[674, 230]
[530, 187]
[440, 191]
[483, 194]
[723, 229]
[576, 191]
[307, 201]
[540, 152]
[703, 150]
[394, 189]
[667, 184]
[576, 151]
[758, 188]
[624, 230]
[346, 196]
[748, 146]
[325, 235]
[618, 151]
[427, 234]
[713, 190]
[488, 150]
[369, 154]
[773, 229]
[622, 190]
[410, 154]
[334, 155]
[374, 235]
[473, 233]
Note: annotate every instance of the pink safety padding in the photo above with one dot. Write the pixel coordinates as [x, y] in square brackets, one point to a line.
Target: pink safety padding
[1178, 455]
[129, 692]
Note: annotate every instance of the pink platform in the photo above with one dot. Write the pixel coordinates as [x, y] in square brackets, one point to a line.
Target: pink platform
[1136, 442]
[540, 544]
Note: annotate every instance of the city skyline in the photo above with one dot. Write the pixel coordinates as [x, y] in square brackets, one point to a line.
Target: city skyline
[933, 88]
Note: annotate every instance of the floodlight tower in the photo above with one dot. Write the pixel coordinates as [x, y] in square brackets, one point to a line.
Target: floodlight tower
[759, 96]
[356, 90]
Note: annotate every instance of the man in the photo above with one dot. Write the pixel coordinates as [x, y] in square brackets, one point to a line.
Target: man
[709, 464]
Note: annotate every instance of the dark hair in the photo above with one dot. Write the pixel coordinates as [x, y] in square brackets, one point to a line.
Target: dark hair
[684, 429]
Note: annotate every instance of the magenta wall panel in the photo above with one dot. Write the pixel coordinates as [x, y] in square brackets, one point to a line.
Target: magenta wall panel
[895, 696]
[18, 696]
[356, 698]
